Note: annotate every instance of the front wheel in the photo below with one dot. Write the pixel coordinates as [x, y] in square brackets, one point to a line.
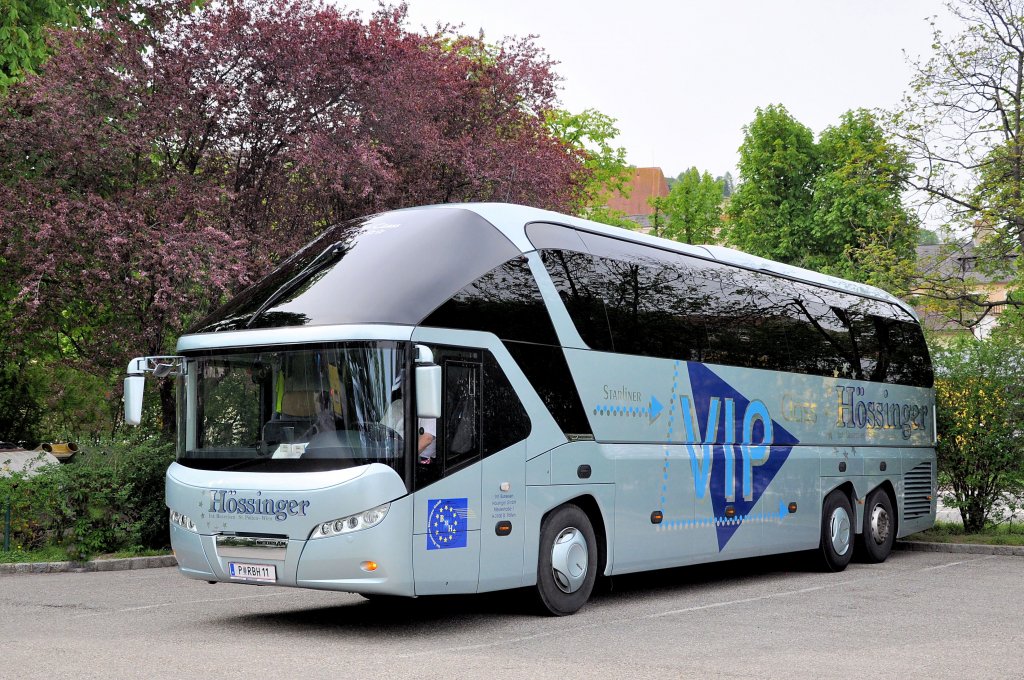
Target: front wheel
[879, 527]
[567, 567]
[837, 535]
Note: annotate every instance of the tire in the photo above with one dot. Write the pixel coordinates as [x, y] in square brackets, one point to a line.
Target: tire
[879, 527]
[837, 537]
[567, 567]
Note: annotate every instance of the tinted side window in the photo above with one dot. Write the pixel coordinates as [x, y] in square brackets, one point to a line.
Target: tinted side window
[504, 301]
[747, 316]
[911, 364]
[632, 303]
[457, 431]
[869, 334]
[649, 299]
[461, 428]
[651, 308]
[579, 279]
[546, 369]
[820, 336]
[504, 420]
[629, 298]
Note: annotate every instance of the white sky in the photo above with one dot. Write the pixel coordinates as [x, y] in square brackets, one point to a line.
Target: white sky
[682, 78]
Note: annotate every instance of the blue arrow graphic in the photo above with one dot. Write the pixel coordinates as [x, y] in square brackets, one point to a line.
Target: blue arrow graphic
[656, 408]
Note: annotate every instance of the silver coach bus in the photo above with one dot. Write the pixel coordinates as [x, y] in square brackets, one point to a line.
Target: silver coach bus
[466, 398]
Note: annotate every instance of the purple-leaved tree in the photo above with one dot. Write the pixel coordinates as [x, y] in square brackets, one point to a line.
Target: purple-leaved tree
[166, 157]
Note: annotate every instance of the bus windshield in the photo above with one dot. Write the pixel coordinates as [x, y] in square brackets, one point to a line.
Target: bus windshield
[295, 410]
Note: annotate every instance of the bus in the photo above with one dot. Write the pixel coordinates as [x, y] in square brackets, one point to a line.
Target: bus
[474, 397]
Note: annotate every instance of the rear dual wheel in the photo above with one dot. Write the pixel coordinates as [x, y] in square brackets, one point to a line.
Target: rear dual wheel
[875, 543]
[837, 535]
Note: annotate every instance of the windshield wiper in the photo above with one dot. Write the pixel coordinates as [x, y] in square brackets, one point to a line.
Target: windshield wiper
[261, 459]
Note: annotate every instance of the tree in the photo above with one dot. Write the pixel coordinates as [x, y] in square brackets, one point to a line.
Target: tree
[862, 230]
[833, 206]
[163, 161]
[727, 184]
[963, 123]
[692, 211]
[771, 212]
[603, 169]
[979, 392]
[23, 27]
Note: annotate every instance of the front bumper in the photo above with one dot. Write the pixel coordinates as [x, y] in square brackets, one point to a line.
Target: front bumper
[333, 563]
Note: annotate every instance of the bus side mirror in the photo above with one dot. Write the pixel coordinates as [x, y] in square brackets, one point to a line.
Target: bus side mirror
[428, 391]
[133, 388]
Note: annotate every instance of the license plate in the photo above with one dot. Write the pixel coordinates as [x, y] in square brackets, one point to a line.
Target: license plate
[252, 572]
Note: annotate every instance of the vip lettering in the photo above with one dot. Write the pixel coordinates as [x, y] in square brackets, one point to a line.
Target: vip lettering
[752, 453]
[853, 412]
[622, 394]
[225, 501]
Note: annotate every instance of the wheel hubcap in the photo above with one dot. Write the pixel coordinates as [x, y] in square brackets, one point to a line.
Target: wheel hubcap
[881, 525]
[569, 558]
[839, 530]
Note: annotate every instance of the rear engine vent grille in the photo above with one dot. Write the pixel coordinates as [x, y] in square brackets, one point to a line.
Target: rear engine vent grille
[917, 491]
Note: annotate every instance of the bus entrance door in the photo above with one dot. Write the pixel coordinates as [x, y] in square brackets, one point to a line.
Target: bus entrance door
[446, 535]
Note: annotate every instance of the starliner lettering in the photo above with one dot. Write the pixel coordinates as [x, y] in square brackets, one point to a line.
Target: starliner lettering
[622, 394]
[226, 501]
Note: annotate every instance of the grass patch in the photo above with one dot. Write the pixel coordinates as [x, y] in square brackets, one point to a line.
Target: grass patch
[49, 554]
[951, 532]
[142, 552]
[57, 554]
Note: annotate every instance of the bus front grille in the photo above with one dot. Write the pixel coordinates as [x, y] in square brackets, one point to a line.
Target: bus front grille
[917, 491]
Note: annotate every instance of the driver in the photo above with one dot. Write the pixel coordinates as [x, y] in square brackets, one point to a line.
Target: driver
[426, 443]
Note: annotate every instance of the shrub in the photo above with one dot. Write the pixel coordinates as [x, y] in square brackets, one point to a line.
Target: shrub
[979, 391]
[110, 497]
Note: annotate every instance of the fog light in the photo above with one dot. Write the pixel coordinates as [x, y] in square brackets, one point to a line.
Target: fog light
[183, 521]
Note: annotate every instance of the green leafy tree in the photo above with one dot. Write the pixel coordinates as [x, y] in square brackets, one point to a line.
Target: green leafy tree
[692, 211]
[589, 137]
[834, 206]
[927, 237]
[728, 186]
[979, 393]
[771, 211]
[23, 33]
[861, 228]
[963, 124]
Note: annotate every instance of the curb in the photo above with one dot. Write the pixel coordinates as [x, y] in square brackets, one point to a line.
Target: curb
[962, 548]
[123, 564]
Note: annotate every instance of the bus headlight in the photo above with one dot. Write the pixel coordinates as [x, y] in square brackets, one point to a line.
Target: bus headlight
[183, 521]
[357, 522]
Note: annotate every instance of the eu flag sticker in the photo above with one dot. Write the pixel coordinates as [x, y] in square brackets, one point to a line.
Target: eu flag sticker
[446, 523]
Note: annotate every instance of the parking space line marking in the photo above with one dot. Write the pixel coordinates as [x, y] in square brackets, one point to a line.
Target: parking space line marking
[686, 610]
[171, 604]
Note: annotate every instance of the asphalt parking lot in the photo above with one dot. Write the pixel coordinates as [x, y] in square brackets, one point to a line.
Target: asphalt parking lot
[918, 615]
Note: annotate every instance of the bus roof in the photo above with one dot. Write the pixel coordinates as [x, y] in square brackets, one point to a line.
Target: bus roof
[397, 267]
